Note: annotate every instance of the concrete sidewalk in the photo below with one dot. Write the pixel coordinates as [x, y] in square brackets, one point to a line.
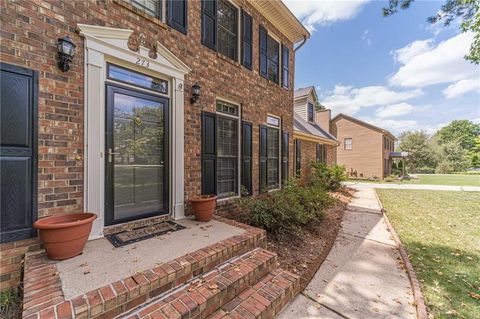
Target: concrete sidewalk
[360, 185]
[363, 276]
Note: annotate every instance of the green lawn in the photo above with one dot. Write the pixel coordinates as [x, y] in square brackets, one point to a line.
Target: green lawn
[441, 232]
[440, 179]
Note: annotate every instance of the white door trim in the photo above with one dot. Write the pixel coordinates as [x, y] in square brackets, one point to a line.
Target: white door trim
[102, 44]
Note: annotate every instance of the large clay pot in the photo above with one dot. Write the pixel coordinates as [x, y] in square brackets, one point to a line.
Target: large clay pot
[64, 236]
[203, 207]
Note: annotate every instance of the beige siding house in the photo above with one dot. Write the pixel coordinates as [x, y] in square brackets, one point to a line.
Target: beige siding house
[364, 149]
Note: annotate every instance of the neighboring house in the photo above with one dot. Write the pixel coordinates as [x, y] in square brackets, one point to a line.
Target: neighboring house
[313, 141]
[163, 100]
[365, 149]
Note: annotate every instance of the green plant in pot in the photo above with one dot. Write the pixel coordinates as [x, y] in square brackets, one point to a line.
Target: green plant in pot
[203, 207]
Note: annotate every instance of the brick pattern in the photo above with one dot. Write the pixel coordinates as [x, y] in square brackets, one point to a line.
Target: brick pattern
[11, 257]
[263, 300]
[123, 295]
[204, 296]
[309, 155]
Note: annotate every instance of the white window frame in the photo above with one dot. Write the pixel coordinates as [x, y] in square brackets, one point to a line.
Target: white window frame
[238, 117]
[279, 69]
[279, 149]
[239, 30]
[345, 143]
[163, 9]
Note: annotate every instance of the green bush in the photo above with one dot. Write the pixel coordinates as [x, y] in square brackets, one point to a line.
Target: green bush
[444, 168]
[425, 170]
[10, 303]
[328, 177]
[286, 211]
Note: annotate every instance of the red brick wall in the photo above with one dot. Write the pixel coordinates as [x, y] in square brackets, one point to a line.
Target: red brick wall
[309, 155]
[29, 32]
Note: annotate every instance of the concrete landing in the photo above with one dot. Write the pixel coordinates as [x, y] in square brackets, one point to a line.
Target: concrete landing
[101, 263]
[362, 276]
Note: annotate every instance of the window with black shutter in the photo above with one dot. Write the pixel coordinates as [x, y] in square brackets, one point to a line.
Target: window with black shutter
[321, 153]
[285, 156]
[247, 157]
[220, 27]
[177, 14]
[298, 157]
[247, 40]
[269, 55]
[310, 112]
[262, 45]
[151, 7]
[285, 67]
[220, 156]
[18, 152]
[270, 156]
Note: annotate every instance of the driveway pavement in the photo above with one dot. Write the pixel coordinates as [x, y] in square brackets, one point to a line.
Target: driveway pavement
[360, 185]
[363, 276]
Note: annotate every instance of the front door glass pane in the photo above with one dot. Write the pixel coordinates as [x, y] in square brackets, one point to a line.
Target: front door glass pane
[138, 147]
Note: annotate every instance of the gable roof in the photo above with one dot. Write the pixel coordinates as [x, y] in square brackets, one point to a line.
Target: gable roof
[301, 92]
[312, 129]
[365, 124]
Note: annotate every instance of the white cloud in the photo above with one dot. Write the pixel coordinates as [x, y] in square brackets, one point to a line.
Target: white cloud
[347, 99]
[321, 12]
[394, 110]
[461, 87]
[424, 64]
[407, 53]
[394, 126]
[366, 37]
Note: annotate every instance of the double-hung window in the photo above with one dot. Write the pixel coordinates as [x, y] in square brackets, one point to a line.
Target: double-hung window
[220, 27]
[173, 12]
[272, 66]
[310, 112]
[321, 153]
[348, 144]
[270, 154]
[220, 150]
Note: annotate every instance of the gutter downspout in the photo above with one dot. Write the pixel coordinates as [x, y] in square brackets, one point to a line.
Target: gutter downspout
[301, 44]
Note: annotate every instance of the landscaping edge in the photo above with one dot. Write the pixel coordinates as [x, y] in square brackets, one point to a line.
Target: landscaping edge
[422, 312]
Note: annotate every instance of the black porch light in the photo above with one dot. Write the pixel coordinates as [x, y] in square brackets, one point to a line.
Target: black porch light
[195, 92]
[66, 52]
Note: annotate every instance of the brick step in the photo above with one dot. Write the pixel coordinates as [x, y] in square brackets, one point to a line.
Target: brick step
[264, 300]
[204, 295]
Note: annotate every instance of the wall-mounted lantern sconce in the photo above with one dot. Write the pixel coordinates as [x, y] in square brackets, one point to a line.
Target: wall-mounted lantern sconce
[66, 51]
[195, 93]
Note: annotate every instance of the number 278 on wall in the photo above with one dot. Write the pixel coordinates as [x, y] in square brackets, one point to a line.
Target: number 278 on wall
[143, 62]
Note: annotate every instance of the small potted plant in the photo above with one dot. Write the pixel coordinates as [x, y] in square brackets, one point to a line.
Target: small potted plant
[65, 236]
[203, 207]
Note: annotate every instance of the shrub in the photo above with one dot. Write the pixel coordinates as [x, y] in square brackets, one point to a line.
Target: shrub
[286, 211]
[425, 170]
[328, 178]
[444, 168]
[10, 303]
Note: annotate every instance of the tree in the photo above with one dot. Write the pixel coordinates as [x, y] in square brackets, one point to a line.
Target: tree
[421, 153]
[467, 10]
[454, 158]
[463, 131]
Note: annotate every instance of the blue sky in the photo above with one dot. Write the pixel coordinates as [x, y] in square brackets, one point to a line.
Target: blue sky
[398, 72]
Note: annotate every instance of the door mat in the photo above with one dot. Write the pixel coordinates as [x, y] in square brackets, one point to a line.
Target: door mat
[127, 237]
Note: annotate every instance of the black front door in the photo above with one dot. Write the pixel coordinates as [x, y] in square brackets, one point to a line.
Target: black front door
[136, 155]
[18, 152]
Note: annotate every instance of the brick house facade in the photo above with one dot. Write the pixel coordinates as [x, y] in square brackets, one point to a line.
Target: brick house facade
[67, 105]
[313, 141]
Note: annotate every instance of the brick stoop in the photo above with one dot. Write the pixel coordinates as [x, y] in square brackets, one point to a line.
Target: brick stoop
[44, 298]
[263, 300]
[206, 294]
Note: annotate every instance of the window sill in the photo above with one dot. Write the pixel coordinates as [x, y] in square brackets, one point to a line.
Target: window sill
[227, 59]
[224, 199]
[144, 15]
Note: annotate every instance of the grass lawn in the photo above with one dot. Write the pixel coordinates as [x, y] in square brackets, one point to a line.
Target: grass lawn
[441, 232]
[439, 179]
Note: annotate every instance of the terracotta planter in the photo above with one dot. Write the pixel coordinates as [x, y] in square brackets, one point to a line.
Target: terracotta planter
[64, 236]
[203, 207]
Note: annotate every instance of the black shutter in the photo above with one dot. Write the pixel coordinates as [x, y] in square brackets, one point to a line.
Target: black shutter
[263, 158]
[247, 157]
[298, 157]
[18, 152]
[209, 153]
[247, 39]
[285, 156]
[324, 153]
[263, 52]
[209, 23]
[177, 15]
[318, 152]
[285, 67]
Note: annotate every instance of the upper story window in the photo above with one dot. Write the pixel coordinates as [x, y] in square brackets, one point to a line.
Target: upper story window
[173, 12]
[271, 59]
[310, 112]
[220, 27]
[347, 143]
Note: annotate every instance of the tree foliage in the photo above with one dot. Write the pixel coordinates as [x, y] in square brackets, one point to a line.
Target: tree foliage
[468, 11]
[419, 147]
[464, 132]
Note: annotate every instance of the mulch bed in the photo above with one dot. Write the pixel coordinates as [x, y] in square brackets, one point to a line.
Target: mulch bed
[304, 253]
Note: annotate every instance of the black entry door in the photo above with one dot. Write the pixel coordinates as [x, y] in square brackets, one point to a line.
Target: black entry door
[136, 155]
[18, 152]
